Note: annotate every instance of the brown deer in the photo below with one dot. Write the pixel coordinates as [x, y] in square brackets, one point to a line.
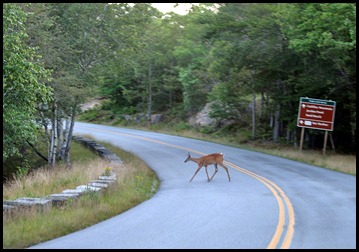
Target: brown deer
[215, 158]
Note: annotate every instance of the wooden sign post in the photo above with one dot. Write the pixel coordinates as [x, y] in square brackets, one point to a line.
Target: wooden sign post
[316, 114]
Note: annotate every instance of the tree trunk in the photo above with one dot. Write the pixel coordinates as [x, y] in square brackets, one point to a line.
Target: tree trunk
[23, 154]
[332, 141]
[254, 116]
[37, 152]
[53, 144]
[69, 138]
[60, 135]
[295, 140]
[276, 125]
[64, 141]
[45, 124]
[149, 92]
[262, 108]
[288, 135]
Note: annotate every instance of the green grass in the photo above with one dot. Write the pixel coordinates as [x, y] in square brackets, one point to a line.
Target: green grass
[236, 137]
[81, 154]
[241, 139]
[28, 230]
[135, 183]
[48, 180]
[332, 160]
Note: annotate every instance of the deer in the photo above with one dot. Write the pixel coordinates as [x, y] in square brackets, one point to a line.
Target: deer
[215, 158]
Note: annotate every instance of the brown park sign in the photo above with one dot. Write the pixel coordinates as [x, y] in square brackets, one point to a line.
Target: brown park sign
[316, 114]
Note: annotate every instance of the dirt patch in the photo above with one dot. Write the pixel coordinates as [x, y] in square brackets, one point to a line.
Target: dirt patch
[91, 104]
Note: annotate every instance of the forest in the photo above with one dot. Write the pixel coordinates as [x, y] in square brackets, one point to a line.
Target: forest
[251, 62]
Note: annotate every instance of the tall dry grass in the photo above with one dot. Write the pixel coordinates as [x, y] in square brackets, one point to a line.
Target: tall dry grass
[45, 181]
[333, 161]
[135, 183]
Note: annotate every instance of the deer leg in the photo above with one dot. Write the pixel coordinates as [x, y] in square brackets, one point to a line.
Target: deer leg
[215, 171]
[207, 173]
[199, 167]
[229, 178]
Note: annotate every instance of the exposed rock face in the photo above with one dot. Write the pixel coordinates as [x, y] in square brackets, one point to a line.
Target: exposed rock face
[91, 104]
[202, 118]
[155, 118]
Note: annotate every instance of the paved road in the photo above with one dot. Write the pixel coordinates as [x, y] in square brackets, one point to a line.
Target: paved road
[271, 202]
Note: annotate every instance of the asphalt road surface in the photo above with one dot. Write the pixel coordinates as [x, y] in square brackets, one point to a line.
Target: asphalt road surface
[270, 202]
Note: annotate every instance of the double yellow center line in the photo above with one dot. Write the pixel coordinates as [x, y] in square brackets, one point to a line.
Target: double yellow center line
[283, 201]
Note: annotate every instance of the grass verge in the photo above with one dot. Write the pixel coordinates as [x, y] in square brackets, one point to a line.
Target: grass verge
[241, 139]
[135, 184]
[332, 160]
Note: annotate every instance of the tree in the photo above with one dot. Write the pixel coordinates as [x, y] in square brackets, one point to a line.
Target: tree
[190, 54]
[143, 75]
[244, 59]
[324, 35]
[74, 39]
[24, 82]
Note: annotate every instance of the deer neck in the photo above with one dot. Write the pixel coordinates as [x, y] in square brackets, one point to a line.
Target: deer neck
[196, 160]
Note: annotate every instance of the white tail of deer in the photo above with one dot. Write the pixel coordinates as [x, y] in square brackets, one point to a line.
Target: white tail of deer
[215, 158]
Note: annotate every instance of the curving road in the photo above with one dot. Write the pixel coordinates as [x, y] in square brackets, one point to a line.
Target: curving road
[271, 202]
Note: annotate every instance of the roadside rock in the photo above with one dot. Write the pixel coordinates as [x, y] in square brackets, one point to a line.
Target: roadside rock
[202, 118]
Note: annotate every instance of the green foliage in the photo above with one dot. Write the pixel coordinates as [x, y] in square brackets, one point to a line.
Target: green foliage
[178, 113]
[22, 170]
[242, 58]
[193, 95]
[145, 62]
[90, 115]
[324, 37]
[107, 171]
[96, 115]
[330, 28]
[181, 126]
[23, 82]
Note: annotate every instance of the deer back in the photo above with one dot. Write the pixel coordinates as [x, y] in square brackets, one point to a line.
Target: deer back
[214, 158]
